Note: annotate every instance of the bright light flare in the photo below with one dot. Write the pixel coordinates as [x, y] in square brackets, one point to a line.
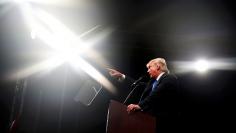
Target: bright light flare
[66, 45]
[45, 65]
[52, 2]
[201, 65]
[54, 33]
[78, 62]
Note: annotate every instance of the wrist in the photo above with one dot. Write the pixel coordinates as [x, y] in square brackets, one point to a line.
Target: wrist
[121, 78]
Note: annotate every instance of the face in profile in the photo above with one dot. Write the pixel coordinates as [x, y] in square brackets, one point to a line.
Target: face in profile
[153, 70]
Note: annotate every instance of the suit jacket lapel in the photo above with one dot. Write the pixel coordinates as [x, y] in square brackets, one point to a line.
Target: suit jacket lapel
[149, 87]
[146, 91]
[162, 77]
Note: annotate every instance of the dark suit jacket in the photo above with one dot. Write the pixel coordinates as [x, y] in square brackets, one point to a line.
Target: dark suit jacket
[163, 101]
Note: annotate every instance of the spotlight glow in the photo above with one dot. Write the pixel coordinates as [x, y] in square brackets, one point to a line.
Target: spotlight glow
[66, 45]
[201, 66]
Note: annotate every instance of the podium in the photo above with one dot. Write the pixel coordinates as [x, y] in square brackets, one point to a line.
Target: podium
[119, 121]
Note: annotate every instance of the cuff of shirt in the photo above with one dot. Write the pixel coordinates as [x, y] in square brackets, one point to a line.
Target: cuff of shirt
[122, 78]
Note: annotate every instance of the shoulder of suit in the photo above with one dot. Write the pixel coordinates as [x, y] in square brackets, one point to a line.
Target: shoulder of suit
[168, 75]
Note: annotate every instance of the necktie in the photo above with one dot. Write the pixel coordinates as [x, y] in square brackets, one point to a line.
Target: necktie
[154, 85]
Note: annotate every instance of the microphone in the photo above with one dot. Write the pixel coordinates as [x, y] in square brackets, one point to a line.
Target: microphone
[139, 79]
[134, 86]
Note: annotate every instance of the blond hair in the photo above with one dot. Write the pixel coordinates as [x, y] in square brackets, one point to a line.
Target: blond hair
[161, 62]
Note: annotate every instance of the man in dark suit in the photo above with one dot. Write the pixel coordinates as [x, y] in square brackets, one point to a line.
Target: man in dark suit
[159, 98]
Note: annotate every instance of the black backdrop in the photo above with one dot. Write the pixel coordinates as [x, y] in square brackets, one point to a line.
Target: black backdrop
[49, 105]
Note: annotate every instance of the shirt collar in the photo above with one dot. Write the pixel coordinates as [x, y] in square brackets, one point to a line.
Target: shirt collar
[159, 76]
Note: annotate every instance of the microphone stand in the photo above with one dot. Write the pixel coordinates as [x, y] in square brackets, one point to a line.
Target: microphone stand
[134, 86]
[131, 92]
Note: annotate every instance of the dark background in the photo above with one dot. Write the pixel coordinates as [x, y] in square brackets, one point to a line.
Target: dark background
[178, 30]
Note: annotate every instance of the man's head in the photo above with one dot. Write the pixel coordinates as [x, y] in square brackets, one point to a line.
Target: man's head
[156, 66]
